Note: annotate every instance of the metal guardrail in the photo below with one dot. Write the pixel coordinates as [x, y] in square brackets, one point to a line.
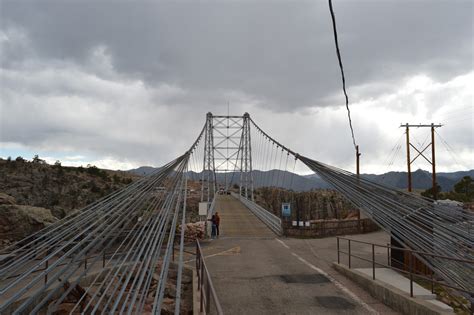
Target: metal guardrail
[271, 220]
[205, 287]
[411, 271]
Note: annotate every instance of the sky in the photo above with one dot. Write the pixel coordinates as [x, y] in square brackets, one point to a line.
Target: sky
[121, 84]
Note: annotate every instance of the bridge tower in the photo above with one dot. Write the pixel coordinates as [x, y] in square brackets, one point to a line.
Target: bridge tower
[227, 155]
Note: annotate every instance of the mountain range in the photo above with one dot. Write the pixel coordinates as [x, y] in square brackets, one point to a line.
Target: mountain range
[420, 179]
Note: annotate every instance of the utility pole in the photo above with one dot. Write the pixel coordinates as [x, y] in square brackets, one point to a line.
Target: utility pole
[358, 175]
[408, 156]
[357, 161]
[420, 153]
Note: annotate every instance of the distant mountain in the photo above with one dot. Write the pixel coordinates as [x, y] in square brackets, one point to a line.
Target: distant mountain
[143, 170]
[420, 179]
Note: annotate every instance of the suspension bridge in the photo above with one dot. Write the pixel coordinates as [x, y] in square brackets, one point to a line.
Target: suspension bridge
[115, 255]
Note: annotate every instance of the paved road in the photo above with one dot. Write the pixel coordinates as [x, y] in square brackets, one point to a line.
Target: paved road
[256, 273]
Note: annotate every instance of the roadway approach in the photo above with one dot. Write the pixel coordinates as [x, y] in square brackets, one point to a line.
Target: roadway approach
[256, 272]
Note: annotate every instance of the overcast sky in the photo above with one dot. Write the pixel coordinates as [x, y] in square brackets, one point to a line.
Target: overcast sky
[121, 84]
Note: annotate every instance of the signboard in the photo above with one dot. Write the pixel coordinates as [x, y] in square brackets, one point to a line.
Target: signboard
[302, 223]
[203, 208]
[286, 209]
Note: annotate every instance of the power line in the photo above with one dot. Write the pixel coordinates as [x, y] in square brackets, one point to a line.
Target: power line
[342, 71]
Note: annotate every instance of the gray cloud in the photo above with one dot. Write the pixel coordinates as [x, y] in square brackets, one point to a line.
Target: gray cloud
[280, 52]
[117, 78]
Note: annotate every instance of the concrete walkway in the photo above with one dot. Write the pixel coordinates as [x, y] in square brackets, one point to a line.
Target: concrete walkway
[256, 273]
[238, 221]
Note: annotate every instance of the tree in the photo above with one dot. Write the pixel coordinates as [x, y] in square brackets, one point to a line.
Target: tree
[465, 187]
[37, 160]
[20, 159]
[9, 159]
[429, 192]
[57, 163]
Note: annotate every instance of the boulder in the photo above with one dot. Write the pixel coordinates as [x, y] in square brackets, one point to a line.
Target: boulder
[18, 221]
[6, 199]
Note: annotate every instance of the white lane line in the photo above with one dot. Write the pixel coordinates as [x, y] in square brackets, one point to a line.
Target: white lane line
[339, 285]
[283, 243]
[216, 254]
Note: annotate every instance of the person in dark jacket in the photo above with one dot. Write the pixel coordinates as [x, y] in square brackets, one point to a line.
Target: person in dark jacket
[213, 226]
[218, 222]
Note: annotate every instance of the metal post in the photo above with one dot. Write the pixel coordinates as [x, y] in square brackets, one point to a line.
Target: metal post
[472, 304]
[208, 296]
[433, 162]
[373, 261]
[432, 281]
[46, 275]
[202, 289]
[388, 254]
[349, 254]
[338, 255]
[411, 274]
[408, 156]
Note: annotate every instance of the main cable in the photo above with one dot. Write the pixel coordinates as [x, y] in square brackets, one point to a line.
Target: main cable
[333, 17]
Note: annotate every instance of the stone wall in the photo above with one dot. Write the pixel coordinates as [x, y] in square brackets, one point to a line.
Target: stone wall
[325, 228]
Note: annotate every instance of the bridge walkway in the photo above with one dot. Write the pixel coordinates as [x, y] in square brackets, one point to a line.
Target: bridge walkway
[254, 272]
[238, 221]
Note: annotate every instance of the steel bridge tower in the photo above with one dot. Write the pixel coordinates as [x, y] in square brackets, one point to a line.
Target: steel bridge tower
[227, 155]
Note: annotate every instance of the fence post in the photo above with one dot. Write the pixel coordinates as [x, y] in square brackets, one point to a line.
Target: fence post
[202, 289]
[103, 259]
[349, 254]
[208, 295]
[432, 281]
[373, 261]
[411, 273]
[46, 275]
[472, 304]
[338, 258]
[388, 254]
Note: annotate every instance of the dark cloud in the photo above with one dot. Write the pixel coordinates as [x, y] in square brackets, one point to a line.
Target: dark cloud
[280, 52]
[115, 78]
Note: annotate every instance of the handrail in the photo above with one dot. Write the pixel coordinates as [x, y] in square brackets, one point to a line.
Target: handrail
[205, 285]
[411, 272]
[470, 261]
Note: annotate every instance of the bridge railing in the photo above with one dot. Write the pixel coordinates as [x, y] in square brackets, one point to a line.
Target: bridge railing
[207, 292]
[411, 272]
[271, 220]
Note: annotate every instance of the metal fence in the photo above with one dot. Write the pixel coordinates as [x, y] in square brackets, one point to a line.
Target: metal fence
[411, 272]
[271, 220]
[208, 296]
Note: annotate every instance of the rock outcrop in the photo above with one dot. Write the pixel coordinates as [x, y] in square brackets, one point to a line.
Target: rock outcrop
[19, 221]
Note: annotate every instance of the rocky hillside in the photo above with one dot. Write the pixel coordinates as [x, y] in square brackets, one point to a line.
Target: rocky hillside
[58, 188]
[318, 204]
[19, 221]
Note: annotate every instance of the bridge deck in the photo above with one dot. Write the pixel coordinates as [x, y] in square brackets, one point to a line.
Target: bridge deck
[256, 273]
[238, 221]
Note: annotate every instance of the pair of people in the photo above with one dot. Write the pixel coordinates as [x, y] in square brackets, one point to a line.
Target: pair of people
[215, 221]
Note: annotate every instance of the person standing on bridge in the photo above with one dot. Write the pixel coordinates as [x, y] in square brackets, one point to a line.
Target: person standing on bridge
[218, 221]
[213, 226]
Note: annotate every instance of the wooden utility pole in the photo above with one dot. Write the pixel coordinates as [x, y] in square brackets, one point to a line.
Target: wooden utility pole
[357, 161]
[420, 153]
[433, 162]
[408, 156]
[358, 175]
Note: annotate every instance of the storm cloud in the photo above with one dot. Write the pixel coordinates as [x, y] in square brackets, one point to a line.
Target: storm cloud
[127, 83]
